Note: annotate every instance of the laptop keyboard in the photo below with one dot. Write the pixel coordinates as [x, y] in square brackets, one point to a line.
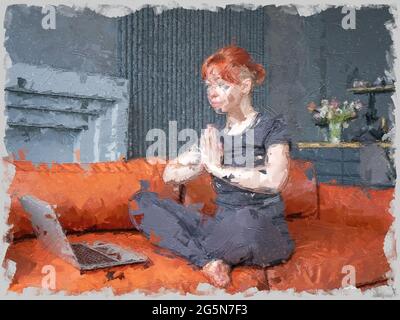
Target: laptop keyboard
[87, 256]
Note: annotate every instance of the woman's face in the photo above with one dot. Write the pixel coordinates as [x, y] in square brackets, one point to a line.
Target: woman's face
[223, 96]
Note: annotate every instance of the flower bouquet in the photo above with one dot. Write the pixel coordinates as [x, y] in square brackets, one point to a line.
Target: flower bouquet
[334, 115]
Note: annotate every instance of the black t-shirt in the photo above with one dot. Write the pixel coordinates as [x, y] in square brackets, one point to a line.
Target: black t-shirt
[253, 142]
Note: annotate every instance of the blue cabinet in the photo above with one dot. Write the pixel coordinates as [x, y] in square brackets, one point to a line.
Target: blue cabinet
[349, 163]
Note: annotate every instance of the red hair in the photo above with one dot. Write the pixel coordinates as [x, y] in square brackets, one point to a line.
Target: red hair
[229, 62]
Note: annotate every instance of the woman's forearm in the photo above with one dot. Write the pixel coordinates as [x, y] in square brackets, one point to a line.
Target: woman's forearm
[177, 173]
[183, 168]
[253, 179]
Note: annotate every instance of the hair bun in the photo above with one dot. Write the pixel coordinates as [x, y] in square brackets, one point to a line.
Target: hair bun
[260, 73]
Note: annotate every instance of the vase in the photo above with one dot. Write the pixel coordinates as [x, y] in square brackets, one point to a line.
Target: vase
[335, 132]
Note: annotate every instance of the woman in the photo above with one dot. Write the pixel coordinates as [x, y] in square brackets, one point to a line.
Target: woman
[249, 226]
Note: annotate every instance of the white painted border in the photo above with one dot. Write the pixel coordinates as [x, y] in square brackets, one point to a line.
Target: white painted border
[114, 8]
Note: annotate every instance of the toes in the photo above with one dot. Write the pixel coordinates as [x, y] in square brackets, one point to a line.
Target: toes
[218, 273]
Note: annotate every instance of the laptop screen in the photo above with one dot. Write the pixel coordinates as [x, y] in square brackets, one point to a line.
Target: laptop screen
[47, 228]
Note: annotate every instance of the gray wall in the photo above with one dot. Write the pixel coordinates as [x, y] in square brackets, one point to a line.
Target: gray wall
[307, 59]
[311, 58]
[83, 41]
[72, 107]
[359, 53]
[163, 54]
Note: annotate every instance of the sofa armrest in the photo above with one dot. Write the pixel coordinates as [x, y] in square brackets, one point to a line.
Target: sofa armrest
[356, 206]
[300, 194]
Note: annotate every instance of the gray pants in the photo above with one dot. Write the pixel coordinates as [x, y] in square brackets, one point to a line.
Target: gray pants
[248, 235]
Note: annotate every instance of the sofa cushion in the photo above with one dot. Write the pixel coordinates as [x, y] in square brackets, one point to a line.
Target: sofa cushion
[300, 193]
[165, 270]
[357, 207]
[87, 197]
[323, 254]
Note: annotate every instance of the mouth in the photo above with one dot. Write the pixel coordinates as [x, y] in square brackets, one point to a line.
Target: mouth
[215, 103]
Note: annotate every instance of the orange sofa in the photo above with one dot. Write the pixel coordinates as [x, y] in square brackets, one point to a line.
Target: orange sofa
[333, 227]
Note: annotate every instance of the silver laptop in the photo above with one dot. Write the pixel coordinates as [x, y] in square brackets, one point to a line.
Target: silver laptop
[81, 255]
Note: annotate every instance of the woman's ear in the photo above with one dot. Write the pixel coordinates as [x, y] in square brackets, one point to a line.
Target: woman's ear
[246, 86]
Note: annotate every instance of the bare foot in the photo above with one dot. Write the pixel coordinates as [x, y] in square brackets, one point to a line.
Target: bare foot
[218, 272]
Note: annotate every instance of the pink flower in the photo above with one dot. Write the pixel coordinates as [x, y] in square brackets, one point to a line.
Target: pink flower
[311, 106]
[334, 104]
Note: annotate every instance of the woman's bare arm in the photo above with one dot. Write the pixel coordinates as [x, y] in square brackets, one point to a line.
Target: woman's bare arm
[270, 178]
[183, 168]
